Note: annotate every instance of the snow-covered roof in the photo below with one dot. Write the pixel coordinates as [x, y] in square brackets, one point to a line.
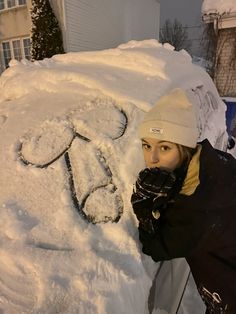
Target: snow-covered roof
[218, 7]
[223, 12]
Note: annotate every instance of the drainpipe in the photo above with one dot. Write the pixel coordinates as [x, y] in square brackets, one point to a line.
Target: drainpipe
[65, 29]
[215, 23]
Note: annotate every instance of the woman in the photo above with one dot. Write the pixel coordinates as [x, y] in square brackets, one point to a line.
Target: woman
[185, 200]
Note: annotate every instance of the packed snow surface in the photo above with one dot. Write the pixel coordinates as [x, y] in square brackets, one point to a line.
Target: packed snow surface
[69, 155]
[218, 6]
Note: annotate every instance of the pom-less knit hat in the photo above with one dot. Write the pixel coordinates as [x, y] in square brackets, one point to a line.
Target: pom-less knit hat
[172, 119]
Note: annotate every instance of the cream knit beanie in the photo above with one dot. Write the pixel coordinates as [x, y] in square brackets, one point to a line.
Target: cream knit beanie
[172, 119]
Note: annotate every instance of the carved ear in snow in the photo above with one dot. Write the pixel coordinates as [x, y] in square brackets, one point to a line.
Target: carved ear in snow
[45, 144]
[100, 120]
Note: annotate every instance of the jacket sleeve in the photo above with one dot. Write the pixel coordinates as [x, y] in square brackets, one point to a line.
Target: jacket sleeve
[178, 232]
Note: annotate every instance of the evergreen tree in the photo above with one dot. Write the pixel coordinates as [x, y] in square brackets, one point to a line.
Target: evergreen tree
[46, 33]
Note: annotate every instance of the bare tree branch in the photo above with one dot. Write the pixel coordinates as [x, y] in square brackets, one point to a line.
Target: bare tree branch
[175, 34]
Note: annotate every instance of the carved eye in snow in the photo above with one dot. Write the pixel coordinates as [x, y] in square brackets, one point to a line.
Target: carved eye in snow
[93, 191]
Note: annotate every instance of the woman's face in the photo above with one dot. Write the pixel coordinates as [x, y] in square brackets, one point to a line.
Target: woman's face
[161, 154]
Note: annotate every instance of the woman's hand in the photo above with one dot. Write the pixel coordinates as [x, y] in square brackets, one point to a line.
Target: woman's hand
[154, 182]
[151, 193]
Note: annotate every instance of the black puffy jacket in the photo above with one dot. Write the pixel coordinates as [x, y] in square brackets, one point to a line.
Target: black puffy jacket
[201, 226]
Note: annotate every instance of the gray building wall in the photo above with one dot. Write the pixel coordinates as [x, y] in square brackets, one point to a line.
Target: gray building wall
[225, 70]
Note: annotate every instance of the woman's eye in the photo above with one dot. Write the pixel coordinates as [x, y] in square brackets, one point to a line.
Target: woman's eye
[146, 146]
[165, 148]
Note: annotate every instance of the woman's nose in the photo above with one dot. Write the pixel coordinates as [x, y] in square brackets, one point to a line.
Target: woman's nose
[154, 157]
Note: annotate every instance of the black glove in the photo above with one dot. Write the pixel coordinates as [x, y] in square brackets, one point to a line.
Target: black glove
[152, 191]
[154, 182]
[143, 210]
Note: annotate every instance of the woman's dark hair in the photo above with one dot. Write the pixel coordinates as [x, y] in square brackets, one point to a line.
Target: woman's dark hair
[186, 154]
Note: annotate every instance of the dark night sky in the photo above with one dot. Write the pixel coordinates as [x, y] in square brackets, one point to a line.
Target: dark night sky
[188, 12]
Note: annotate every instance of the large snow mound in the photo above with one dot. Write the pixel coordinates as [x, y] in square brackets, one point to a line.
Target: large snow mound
[69, 154]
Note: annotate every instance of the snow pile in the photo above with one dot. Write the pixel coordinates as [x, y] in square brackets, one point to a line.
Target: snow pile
[69, 155]
[218, 6]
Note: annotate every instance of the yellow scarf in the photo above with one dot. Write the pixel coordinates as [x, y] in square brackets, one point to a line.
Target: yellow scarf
[192, 178]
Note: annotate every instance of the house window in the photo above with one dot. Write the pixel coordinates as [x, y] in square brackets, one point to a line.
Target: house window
[17, 49]
[26, 45]
[2, 5]
[11, 3]
[8, 4]
[6, 53]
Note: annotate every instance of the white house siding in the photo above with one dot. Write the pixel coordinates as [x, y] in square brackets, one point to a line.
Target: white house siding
[93, 25]
[101, 24]
[142, 19]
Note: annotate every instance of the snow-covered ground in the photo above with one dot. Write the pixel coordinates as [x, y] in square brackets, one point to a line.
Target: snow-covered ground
[218, 6]
[69, 155]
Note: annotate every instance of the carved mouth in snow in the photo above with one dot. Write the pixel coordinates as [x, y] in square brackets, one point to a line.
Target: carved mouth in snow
[93, 191]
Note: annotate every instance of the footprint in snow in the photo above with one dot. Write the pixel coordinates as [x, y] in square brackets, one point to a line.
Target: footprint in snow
[93, 191]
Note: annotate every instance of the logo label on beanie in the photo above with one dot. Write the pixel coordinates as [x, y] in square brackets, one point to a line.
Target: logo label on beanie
[156, 130]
